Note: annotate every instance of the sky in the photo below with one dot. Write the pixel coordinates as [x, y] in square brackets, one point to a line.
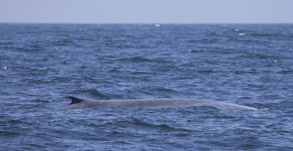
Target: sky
[146, 11]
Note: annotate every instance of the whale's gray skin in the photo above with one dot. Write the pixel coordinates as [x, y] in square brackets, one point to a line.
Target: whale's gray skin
[150, 104]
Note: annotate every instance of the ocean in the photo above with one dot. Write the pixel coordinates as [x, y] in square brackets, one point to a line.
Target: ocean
[247, 64]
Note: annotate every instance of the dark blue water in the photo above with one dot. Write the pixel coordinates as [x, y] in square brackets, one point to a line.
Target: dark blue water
[42, 64]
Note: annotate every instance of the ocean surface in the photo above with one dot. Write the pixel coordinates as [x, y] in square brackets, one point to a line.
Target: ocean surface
[248, 64]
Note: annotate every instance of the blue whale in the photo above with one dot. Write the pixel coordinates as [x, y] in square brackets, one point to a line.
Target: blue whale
[150, 104]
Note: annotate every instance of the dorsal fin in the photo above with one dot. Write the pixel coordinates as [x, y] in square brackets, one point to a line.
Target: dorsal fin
[75, 100]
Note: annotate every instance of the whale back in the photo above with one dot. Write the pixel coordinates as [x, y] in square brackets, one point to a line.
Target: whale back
[77, 103]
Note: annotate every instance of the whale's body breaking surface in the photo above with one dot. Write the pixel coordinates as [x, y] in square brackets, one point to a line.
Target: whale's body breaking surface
[150, 104]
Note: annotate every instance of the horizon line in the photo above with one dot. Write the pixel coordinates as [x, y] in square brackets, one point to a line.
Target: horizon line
[145, 23]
